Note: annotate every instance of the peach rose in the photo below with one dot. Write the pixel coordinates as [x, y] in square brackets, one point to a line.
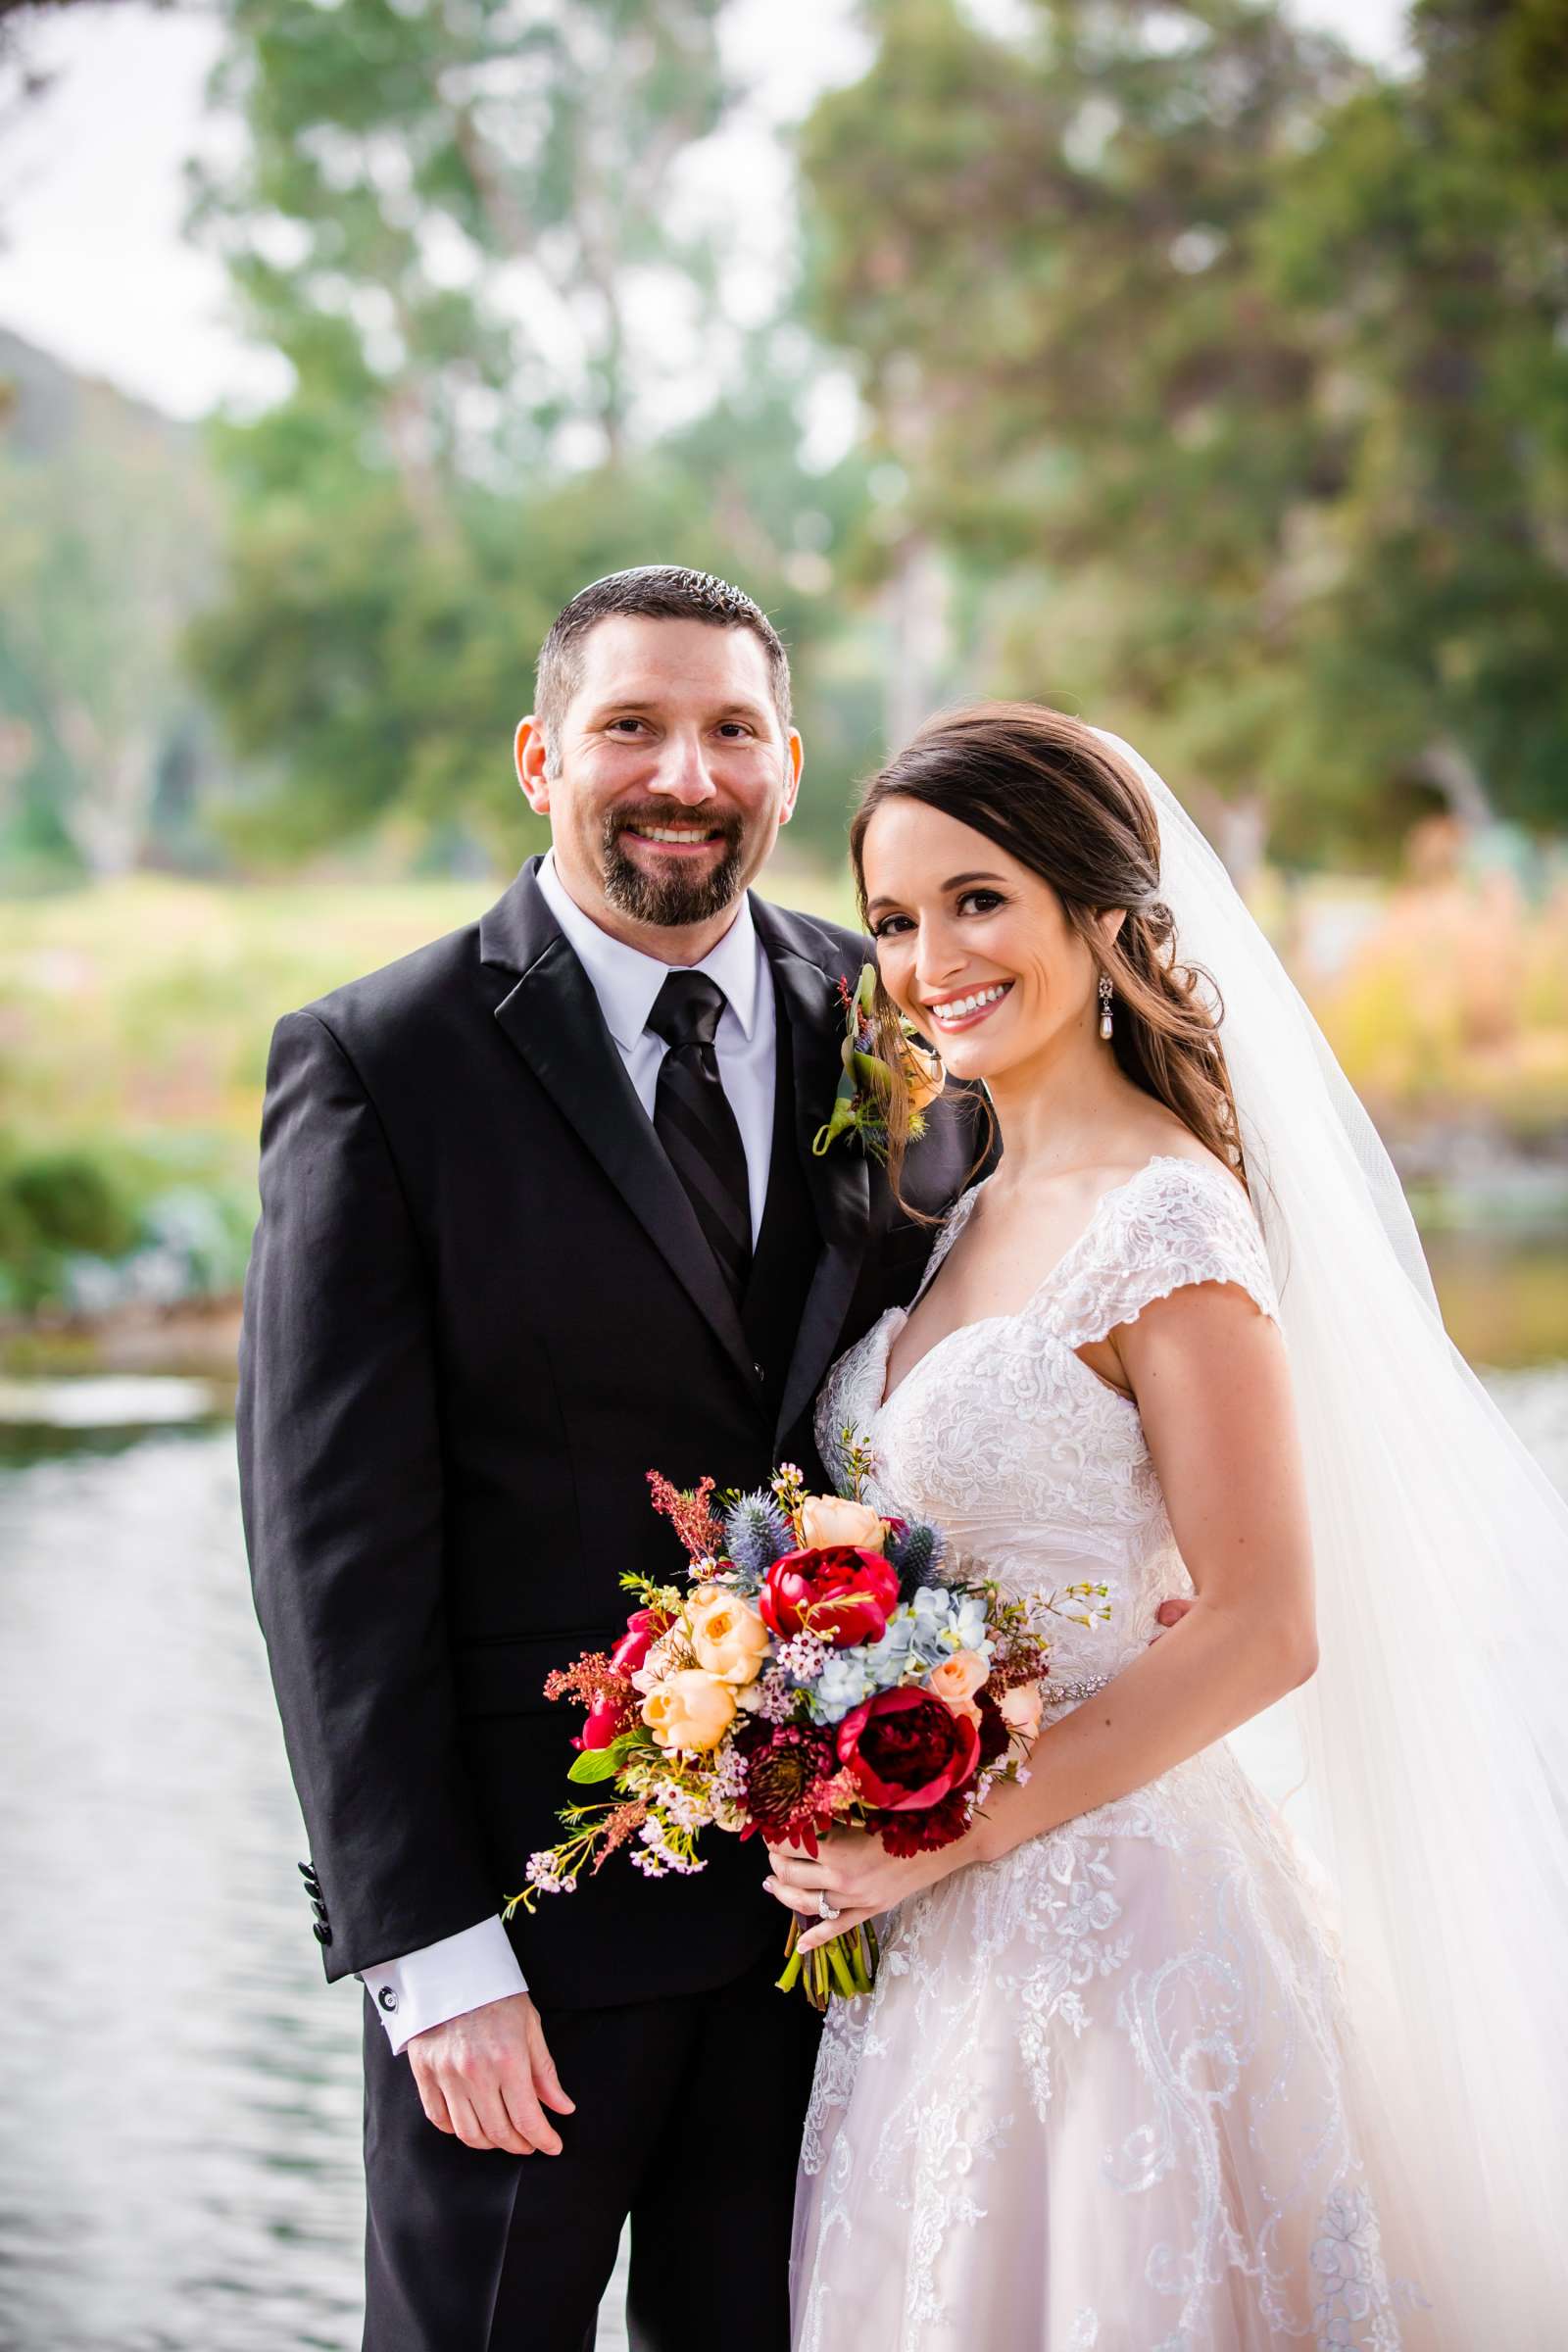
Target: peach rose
[828, 1520]
[959, 1678]
[728, 1635]
[691, 1710]
[1021, 1708]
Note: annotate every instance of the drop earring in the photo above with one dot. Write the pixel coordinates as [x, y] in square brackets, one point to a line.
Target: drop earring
[1106, 1022]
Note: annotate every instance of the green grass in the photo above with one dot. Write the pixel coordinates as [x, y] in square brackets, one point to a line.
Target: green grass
[135, 1022]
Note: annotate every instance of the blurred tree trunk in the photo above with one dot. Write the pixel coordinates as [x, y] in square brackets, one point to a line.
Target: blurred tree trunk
[914, 604]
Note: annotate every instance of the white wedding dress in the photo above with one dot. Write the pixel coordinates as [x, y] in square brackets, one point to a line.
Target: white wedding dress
[1104, 2093]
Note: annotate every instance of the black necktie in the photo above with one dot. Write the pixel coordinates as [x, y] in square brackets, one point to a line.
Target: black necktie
[695, 1123]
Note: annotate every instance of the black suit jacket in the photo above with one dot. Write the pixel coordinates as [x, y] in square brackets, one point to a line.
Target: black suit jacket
[479, 1309]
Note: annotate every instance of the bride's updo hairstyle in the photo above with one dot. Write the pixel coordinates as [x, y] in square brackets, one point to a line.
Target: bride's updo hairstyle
[1050, 792]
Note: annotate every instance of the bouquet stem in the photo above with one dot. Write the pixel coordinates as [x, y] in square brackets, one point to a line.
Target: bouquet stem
[846, 1966]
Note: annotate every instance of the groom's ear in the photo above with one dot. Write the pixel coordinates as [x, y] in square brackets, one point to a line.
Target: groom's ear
[793, 758]
[530, 756]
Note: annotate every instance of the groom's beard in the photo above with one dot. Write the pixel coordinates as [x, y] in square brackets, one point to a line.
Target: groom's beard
[673, 899]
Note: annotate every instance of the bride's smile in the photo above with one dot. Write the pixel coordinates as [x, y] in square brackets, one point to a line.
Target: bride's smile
[963, 1011]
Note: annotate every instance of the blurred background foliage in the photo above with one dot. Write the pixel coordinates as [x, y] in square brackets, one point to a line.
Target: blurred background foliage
[1204, 379]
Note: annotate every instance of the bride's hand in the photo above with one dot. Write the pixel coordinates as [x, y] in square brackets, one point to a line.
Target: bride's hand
[858, 1877]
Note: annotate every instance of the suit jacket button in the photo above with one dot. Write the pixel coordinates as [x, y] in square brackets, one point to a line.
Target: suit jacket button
[320, 1931]
[387, 1999]
[761, 1374]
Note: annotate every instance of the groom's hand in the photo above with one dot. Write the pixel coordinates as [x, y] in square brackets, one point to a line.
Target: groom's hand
[1169, 1614]
[487, 2077]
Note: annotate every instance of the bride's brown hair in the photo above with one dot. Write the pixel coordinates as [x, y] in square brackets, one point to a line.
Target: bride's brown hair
[1048, 790]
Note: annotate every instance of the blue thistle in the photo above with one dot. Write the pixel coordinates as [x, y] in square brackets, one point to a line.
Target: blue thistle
[916, 1555]
[755, 1533]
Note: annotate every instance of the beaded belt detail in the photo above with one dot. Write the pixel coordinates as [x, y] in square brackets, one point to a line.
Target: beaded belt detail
[1067, 1694]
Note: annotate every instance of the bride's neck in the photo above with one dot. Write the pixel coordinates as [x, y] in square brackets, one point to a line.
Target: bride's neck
[1059, 1108]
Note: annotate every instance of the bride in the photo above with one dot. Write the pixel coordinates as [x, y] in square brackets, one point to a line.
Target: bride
[1191, 2042]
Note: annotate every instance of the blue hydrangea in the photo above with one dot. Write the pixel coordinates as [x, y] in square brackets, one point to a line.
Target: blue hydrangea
[842, 1685]
[930, 1621]
[942, 1621]
[756, 1535]
[887, 1658]
[969, 1626]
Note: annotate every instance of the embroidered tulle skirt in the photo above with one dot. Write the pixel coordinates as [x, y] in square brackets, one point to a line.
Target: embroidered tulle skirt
[1103, 2095]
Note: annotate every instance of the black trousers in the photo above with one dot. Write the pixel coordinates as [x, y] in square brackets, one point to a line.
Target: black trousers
[688, 2119]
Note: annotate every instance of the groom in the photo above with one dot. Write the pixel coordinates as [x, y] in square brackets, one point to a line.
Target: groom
[540, 1212]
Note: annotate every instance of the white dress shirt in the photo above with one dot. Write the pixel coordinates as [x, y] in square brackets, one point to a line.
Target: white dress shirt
[477, 1965]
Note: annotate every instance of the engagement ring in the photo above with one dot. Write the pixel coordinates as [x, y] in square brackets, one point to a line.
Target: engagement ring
[824, 1909]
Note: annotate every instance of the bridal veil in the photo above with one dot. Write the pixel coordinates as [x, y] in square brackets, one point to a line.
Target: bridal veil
[1426, 1763]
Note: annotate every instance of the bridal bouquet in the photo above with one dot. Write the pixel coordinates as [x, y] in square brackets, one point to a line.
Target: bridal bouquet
[816, 1669]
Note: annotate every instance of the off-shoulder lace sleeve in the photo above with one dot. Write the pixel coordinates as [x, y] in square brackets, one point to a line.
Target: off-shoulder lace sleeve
[1174, 1223]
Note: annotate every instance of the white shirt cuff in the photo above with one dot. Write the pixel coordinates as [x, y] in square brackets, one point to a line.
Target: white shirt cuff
[445, 1980]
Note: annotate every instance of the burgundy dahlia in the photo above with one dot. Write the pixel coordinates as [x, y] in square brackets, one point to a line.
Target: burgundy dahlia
[995, 1736]
[787, 1768]
[905, 1834]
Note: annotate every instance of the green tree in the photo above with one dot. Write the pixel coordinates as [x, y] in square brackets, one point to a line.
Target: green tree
[362, 669]
[1426, 233]
[108, 547]
[1045, 249]
[1229, 379]
[443, 217]
[459, 227]
[439, 220]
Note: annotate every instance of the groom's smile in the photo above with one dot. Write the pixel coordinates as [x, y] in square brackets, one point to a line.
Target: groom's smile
[655, 835]
[669, 836]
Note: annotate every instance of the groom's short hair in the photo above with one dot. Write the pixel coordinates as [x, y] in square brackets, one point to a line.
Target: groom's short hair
[656, 592]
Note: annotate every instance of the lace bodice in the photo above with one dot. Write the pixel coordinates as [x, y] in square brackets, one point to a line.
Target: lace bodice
[1035, 1469]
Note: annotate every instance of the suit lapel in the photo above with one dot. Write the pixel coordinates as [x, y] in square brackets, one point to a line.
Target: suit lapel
[838, 1183]
[552, 1019]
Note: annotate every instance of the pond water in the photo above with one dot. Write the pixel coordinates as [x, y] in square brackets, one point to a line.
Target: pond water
[179, 2162]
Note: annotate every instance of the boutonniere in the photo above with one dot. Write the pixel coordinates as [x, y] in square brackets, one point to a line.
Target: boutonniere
[861, 1104]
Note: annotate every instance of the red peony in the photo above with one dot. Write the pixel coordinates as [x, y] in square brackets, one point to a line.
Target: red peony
[907, 1751]
[842, 1595]
[605, 1684]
